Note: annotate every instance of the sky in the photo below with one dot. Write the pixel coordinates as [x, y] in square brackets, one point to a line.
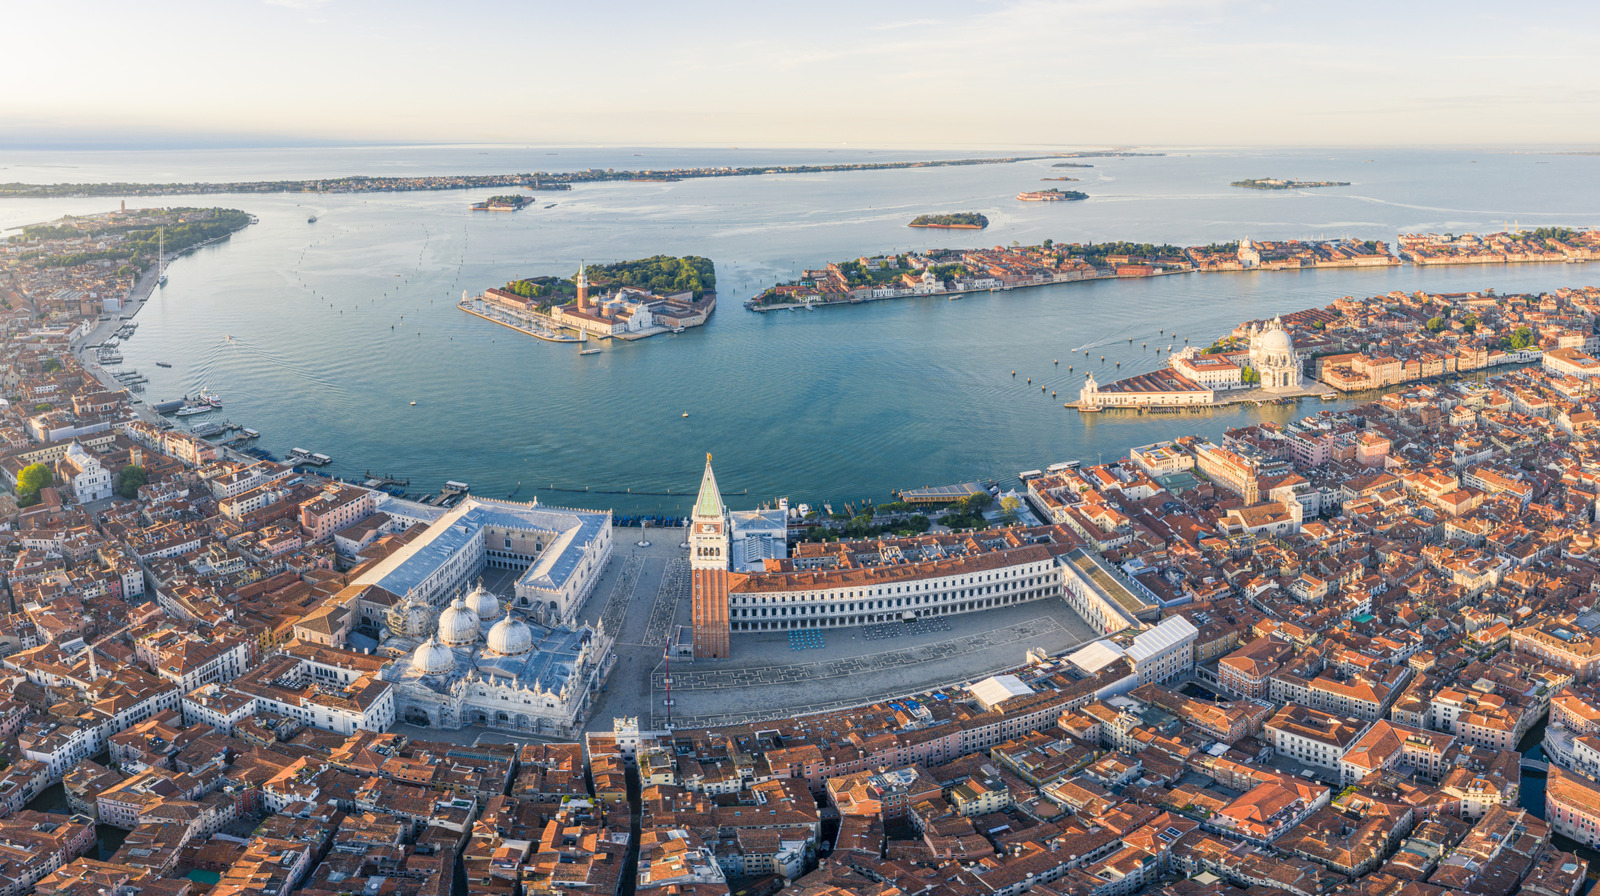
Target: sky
[998, 73]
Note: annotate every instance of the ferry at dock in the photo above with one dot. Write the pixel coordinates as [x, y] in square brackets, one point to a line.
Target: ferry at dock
[300, 456]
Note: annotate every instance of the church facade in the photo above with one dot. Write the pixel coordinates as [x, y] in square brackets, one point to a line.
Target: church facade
[1274, 357]
[479, 663]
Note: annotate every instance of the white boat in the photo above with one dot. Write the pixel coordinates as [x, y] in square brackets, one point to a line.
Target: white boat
[590, 351]
[191, 409]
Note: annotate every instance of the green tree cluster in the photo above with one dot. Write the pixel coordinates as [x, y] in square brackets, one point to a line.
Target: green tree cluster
[1517, 341]
[967, 513]
[130, 479]
[1095, 253]
[659, 273]
[33, 478]
[969, 219]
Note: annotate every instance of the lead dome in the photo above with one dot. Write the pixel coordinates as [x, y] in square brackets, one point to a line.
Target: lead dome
[510, 637]
[411, 618]
[458, 625]
[1274, 338]
[483, 603]
[432, 658]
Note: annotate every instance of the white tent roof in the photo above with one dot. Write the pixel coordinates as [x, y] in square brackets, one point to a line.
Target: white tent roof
[1096, 656]
[997, 689]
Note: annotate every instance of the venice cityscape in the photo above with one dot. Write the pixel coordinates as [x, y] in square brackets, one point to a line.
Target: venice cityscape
[1136, 500]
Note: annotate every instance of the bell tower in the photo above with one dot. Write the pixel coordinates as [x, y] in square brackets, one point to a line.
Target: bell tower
[583, 286]
[708, 567]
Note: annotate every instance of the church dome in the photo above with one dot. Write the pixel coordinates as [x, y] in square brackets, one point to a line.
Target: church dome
[510, 637]
[486, 605]
[432, 658]
[410, 618]
[458, 625]
[1274, 338]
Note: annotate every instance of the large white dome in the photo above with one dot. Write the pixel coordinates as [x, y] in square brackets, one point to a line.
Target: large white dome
[510, 637]
[432, 658]
[458, 625]
[1274, 338]
[486, 605]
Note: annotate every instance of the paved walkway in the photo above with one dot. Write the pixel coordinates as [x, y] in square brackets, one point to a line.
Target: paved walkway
[853, 668]
[780, 673]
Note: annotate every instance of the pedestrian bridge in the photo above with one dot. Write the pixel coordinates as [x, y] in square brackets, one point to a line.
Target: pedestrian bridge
[1534, 765]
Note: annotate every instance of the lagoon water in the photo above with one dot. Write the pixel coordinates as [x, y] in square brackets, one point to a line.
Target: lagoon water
[338, 326]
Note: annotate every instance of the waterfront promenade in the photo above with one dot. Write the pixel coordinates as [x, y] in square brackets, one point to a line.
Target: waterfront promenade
[1308, 389]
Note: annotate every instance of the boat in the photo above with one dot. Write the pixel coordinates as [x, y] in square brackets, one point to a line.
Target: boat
[551, 205]
[413, 404]
[302, 457]
[162, 364]
[685, 413]
[250, 433]
[590, 351]
[210, 398]
[312, 219]
[191, 409]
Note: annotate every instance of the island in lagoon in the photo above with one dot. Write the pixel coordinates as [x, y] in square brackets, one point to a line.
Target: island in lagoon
[1273, 183]
[508, 202]
[953, 272]
[1063, 178]
[624, 300]
[1051, 195]
[954, 221]
[1110, 154]
[541, 180]
[1072, 165]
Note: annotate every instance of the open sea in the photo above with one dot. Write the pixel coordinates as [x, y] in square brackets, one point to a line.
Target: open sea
[338, 326]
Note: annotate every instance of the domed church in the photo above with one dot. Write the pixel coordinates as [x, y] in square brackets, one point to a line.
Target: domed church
[1273, 356]
[478, 663]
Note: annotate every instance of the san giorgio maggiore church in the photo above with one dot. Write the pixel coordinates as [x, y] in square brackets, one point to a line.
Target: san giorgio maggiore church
[462, 657]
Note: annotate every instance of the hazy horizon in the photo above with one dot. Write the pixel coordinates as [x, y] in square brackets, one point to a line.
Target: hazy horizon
[1008, 73]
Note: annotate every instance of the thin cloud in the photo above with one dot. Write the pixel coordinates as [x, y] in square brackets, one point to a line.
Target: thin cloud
[913, 23]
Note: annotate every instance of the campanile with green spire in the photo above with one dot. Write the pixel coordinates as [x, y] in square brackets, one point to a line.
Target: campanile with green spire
[708, 566]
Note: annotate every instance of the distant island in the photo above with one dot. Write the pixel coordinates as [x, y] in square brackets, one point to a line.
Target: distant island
[1109, 154]
[540, 180]
[1059, 178]
[1273, 183]
[509, 202]
[1051, 195]
[956, 221]
[1072, 165]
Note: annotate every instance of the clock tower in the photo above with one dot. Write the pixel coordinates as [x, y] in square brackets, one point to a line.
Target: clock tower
[708, 567]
